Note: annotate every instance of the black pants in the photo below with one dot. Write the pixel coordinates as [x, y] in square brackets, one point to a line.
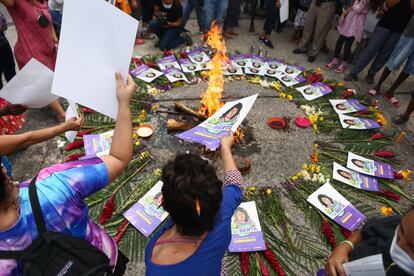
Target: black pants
[272, 16]
[347, 43]
[232, 16]
[147, 10]
[120, 264]
[7, 65]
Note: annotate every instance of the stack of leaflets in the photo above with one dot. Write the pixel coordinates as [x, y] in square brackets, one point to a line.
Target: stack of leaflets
[145, 73]
[347, 106]
[354, 179]
[369, 167]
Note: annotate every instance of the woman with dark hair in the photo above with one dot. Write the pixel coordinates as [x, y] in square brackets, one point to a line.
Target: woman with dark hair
[194, 241]
[332, 207]
[241, 218]
[61, 189]
[225, 121]
[392, 237]
[352, 178]
[366, 167]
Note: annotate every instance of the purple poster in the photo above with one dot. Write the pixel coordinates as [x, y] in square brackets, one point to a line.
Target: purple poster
[188, 66]
[198, 56]
[239, 60]
[347, 106]
[336, 207]
[246, 233]
[275, 64]
[369, 167]
[229, 116]
[314, 90]
[168, 62]
[289, 80]
[293, 70]
[255, 61]
[357, 123]
[354, 179]
[97, 144]
[147, 214]
[145, 73]
[173, 74]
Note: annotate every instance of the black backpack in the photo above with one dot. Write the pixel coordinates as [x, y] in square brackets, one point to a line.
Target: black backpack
[55, 253]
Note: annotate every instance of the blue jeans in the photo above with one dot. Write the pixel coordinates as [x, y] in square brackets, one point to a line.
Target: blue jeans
[188, 8]
[7, 64]
[57, 20]
[232, 16]
[170, 38]
[215, 10]
[272, 17]
[403, 52]
[381, 44]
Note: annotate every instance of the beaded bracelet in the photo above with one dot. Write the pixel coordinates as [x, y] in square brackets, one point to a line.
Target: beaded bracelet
[347, 242]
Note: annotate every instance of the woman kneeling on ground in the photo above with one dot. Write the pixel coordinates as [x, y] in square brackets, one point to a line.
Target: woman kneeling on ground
[61, 189]
[194, 241]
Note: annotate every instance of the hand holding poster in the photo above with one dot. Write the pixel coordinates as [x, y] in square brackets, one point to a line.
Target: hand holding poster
[147, 214]
[354, 179]
[368, 266]
[174, 74]
[370, 167]
[198, 56]
[98, 144]
[336, 207]
[145, 73]
[229, 116]
[246, 233]
[357, 123]
[314, 90]
[347, 106]
[168, 62]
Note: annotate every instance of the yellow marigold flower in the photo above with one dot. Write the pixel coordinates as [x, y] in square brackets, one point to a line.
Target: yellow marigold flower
[268, 191]
[320, 119]
[318, 169]
[252, 188]
[381, 119]
[340, 84]
[305, 166]
[294, 178]
[318, 71]
[289, 97]
[282, 95]
[386, 211]
[406, 174]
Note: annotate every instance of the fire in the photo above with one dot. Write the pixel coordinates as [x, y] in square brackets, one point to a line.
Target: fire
[210, 100]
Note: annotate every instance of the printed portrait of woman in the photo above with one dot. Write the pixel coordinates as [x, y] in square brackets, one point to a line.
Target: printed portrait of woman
[257, 64]
[232, 70]
[225, 121]
[191, 67]
[241, 220]
[273, 66]
[253, 70]
[271, 72]
[289, 70]
[150, 75]
[342, 106]
[241, 63]
[286, 79]
[177, 75]
[354, 123]
[308, 91]
[366, 166]
[332, 207]
[198, 58]
[154, 204]
[351, 178]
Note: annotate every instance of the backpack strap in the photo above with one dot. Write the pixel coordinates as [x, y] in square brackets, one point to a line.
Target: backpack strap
[40, 223]
[37, 210]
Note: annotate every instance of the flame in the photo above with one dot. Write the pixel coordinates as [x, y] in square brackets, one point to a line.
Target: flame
[210, 100]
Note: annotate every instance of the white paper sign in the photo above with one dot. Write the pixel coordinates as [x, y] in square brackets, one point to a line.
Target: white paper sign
[31, 86]
[96, 41]
[284, 10]
[368, 266]
[70, 113]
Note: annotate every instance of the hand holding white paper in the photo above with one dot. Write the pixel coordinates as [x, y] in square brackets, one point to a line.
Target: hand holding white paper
[31, 86]
[96, 41]
[70, 113]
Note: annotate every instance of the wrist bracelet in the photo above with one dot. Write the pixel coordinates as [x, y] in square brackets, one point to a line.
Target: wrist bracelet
[347, 242]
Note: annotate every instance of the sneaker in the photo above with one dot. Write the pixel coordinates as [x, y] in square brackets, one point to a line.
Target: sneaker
[369, 79]
[332, 65]
[342, 67]
[187, 38]
[299, 51]
[266, 42]
[350, 77]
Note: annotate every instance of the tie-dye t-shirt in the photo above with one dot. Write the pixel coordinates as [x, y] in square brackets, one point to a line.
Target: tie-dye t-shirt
[61, 189]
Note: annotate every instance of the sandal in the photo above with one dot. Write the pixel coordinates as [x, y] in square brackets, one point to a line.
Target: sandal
[266, 42]
[393, 101]
[372, 92]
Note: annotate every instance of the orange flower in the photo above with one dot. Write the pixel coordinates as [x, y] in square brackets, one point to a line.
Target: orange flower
[386, 211]
[315, 156]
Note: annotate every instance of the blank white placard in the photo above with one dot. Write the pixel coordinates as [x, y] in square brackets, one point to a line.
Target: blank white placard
[71, 112]
[97, 40]
[31, 86]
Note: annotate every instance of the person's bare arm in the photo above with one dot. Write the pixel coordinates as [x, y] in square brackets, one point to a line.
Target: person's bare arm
[226, 154]
[7, 3]
[11, 143]
[334, 265]
[120, 152]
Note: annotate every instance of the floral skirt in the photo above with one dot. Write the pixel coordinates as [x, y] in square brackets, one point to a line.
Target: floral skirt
[10, 124]
[300, 19]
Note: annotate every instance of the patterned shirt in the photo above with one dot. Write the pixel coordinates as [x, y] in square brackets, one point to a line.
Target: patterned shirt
[61, 189]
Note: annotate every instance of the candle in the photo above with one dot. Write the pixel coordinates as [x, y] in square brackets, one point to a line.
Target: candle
[400, 137]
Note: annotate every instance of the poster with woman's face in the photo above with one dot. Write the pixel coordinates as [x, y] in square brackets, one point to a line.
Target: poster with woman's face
[254, 71]
[245, 229]
[168, 62]
[255, 61]
[231, 70]
[347, 106]
[369, 167]
[336, 207]
[289, 81]
[275, 64]
[198, 56]
[315, 90]
[173, 75]
[239, 60]
[354, 178]
[357, 123]
[146, 73]
[189, 67]
[293, 70]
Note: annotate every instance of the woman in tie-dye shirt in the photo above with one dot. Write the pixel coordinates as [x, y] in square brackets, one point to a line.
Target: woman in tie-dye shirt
[61, 189]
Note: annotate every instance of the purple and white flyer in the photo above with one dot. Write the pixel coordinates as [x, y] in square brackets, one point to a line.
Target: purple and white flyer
[230, 70]
[168, 62]
[229, 116]
[198, 56]
[336, 207]
[189, 67]
[293, 70]
[289, 81]
[147, 214]
[357, 123]
[174, 74]
[347, 106]
[255, 61]
[246, 233]
[354, 179]
[145, 73]
[314, 90]
[369, 167]
[275, 64]
[239, 60]
[97, 144]
[254, 71]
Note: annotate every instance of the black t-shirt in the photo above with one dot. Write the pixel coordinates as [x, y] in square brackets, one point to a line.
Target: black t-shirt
[377, 237]
[173, 13]
[397, 17]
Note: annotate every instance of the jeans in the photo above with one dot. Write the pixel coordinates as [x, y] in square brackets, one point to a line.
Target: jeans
[382, 44]
[272, 16]
[169, 37]
[403, 52]
[147, 10]
[347, 43]
[7, 64]
[215, 10]
[188, 8]
[57, 20]
[232, 16]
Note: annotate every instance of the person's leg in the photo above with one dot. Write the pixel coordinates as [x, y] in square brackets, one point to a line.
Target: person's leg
[209, 12]
[188, 8]
[156, 28]
[406, 115]
[270, 20]
[400, 79]
[385, 73]
[406, 72]
[231, 20]
[324, 15]
[348, 47]
[7, 64]
[147, 16]
[220, 11]
[309, 27]
[200, 16]
[338, 47]
[377, 41]
[172, 38]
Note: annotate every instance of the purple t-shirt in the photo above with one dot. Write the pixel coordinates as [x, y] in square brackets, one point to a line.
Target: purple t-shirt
[61, 189]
